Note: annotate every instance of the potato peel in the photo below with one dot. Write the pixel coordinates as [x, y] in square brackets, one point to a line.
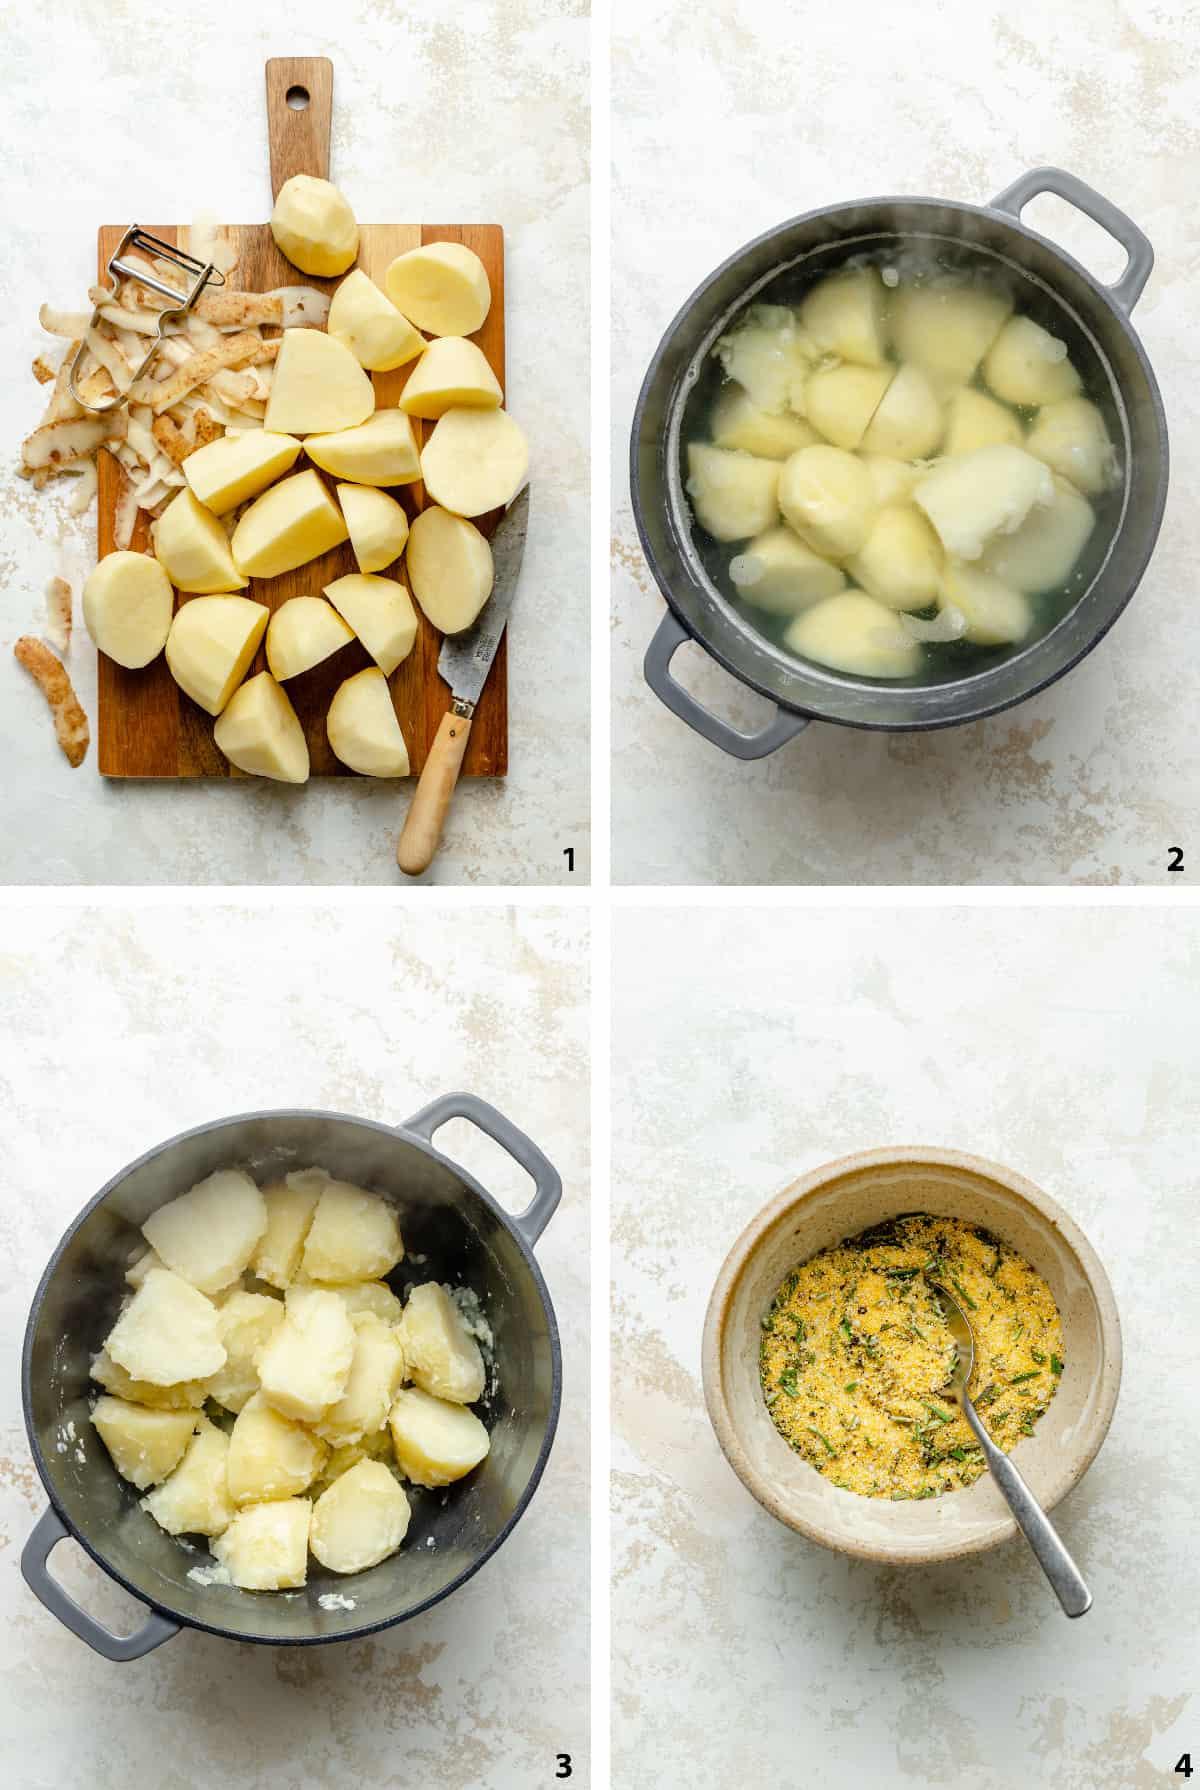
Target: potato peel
[52, 679]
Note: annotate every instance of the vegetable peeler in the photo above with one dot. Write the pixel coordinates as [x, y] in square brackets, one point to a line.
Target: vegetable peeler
[199, 272]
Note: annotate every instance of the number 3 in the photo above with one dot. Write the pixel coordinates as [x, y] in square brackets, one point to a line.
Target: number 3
[564, 1765]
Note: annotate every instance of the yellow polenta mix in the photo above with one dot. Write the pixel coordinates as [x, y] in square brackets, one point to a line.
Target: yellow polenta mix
[856, 1355]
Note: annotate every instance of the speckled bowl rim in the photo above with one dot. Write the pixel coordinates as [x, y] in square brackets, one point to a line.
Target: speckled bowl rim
[792, 1199]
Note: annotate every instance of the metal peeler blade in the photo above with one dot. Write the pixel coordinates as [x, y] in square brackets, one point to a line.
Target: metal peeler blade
[200, 272]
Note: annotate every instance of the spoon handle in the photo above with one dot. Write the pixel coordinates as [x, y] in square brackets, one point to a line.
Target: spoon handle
[1050, 1551]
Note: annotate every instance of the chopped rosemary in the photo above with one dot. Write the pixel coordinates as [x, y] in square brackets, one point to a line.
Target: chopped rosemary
[1031, 1375]
[850, 1385]
[829, 1448]
[789, 1383]
[1056, 1365]
[961, 1290]
[845, 1325]
[1036, 1355]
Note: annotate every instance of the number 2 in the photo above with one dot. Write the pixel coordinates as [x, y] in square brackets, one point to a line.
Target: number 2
[1175, 862]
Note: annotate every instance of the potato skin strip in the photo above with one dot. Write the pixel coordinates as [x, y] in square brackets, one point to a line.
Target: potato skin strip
[234, 351]
[50, 675]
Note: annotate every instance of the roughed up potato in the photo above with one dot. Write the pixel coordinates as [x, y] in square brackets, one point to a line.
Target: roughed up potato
[900, 561]
[451, 373]
[377, 523]
[290, 1205]
[844, 315]
[946, 328]
[435, 1442]
[362, 728]
[733, 495]
[195, 1499]
[365, 1295]
[852, 632]
[270, 1456]
[381, 451]
[376, 1374]
[183, 1395]
[167, 1333]
[360, 1520]
[193, 549]
[973, 420]
[304, 1365]
[127, 607]
[236, 467]
[137, 1271]
[442, 286]
[1070, 436]
[829, 499]
[381, 613]
[258, 731]
[449, 569]
[737, 422]
[245, 1321]
[770, 357]
[1027, 365]
[318, 385]
[145, 1445]
[211, 644]
[908, 423]
[474, 461]
[209, 1234]
[288, 525]
[314, 226]
[995, 614]
[366, 322]
[265, 1547]
[354, 1235]
[441, 1356]
[778, 572]
[988, 492]
[377, 1447]
[301, 633]
[840, 401]
[1041, 555]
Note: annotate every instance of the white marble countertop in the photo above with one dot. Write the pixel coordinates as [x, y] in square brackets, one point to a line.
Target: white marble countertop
[722, 130]
[752, 1045]
[122, 1028]
[476, 113]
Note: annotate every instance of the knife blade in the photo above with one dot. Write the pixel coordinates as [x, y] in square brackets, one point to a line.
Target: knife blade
[466, 659]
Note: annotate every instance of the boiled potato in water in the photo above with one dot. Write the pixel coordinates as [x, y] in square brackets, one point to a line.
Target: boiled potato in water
[973, 420]
[852, 632]
[779, 573]
[946, 327]
[1071, 437]
[900, 561]
[841, 401]
[733, 495]
[770, 357]
[1042, 553]
[844, 316]
[908, 423]
[995, 614]
[977, 495]
[829, 499]
[737, 422]
[1027, 365]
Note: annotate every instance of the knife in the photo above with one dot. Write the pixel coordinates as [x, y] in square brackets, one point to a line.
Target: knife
[464, 663]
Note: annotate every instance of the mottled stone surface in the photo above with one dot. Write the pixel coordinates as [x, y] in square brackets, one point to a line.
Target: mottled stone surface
[121, 1029]
[442, 113]
[726, 127]
[754, 1045]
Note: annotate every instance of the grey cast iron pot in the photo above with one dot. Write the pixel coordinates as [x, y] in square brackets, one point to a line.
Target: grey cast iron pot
[453, 1231]
[1054, 289]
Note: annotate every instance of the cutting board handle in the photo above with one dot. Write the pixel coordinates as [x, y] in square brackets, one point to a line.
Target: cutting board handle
[299, 135]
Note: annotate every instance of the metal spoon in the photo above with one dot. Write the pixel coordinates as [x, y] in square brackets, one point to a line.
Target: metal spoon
[1052, 1556]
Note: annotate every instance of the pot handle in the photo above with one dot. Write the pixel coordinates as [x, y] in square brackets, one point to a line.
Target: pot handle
[1128, 289]
[669, 637]
[48, 1532]
[546, 1179]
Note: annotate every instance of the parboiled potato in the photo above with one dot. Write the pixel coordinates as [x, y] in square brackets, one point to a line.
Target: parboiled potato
[780, 573]
[304, 1365]
[841, 401]
[376, 1374]
[449, 569]
[441, 1356]
[362, 728]
[442, 286]
[1041, 555]
[381, 451]
[377, 523]
[374, 1296]
[245, 1321]
[946, 328]
[844, 315]
[852, 632]
[360, 1520]
[829, 499]
[211, 644]
[270, 1456]
[900, 562]
[381, 613]
[145, 1445]
[474, 461]
[288, 525]
[908, 423]
[376, 1447]
[265, 1547]
[234, 468]
[990, 491]
[354, 1235]
[1027, 365]
[301, 633]
[193, 549]
[733, 495]
[317, 386]
[290, 1205]
[258, 731]
[1070, 436]
[137, 1270]
[737, 422]
[127, 607]
[770, 357]
[195, 1499]
[973, 420]
[167, 1333]
[314, 226]
[209, 1234]
[435, 1442]
[365, 321]
[891, 480]
[183, 1395]
[451, 372]
[995, 614]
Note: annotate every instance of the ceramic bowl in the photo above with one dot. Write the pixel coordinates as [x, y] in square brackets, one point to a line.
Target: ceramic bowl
[837, 1201]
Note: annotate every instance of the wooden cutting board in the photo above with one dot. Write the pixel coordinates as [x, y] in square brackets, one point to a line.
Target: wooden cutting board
[146, 726]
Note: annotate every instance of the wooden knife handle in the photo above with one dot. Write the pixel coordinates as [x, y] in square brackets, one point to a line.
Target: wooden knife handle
[299, 136]
[423, 829]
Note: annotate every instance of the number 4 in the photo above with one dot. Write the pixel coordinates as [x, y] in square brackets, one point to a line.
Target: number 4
[1184, 1767]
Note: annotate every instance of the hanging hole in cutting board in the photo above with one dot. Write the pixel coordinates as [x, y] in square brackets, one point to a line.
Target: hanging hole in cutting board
[298, 98]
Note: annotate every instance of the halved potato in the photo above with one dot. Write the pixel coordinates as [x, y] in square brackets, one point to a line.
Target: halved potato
[780, 573]
[195, 1499]
[362, 726]
[209, 1234]
[381, 451]
[211, 644]
[1071, 436]
[449, 568]
[127, 607]
[436, 1442]
[360, 1520]
[381, 613]
[737, 422]
[258, 731]
[301, 633]
[733, 495]
[377, 523]
[977, 495]
[900, 562]
[234, 468]
[973, 420]
[946, 327]
[245, 1321]
[474, 461]
[366, 321]
[167, 1333]
[844, 315]
[314, 226]
[891, 480]
[443, 287]
[145, 1445]
[1041, 555]
[265, 1547]
[318, 385]
[908, 423]
[193, 548]
[840, 401]
[441, 1356]
[852, 632]
[996, 615]
[1027, 365]
[829, 499]
[293, 522]
[270, 1456]
[452, 372]
[354, 1235]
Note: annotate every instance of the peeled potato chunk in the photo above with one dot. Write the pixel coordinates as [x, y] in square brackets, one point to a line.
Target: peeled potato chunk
[354, 1235]
[377, 1447]
[137, 1271]
[304, 1365]
[195, 1499]
[840, 401]
[733, 495]
[852, 632]
[891, 480]
[908, 423]
[360, 1520]
[192, 548]
[946, 328]
[443, 287]
[381, 613]
[375, 1376]
[245, 1321]
[265, 1547]
[449, 569]
[377, 523]
[381, 451]
[127, 606]
[145, 1445]
[779, 573]
[167, 1333]
[290, 1205]
[770, 357]
[270, 1456]
[995, 614]
[452, 372]
[209, 1234]
[258, 731]
[235, 468]
[211, 644]
[363, 731]
[973, 420]
[301, 633]
[293, 522]
[990, 491]
[1070, 436]
[182, 1395]
[374, 1296]
[318, 385]
[737, 422]
[474, 461]
[1041, 555]
[900, 562]
[441, 1356]
[844, 315]
[829, 499]
[366, 322]
[1027, 365]
[435, 1442]
[313, 225]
